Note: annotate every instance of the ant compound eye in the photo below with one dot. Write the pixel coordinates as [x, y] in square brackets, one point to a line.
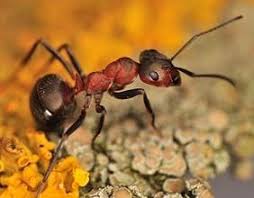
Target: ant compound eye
[154, 75]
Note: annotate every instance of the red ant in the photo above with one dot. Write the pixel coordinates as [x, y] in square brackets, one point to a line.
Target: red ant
[53, 100]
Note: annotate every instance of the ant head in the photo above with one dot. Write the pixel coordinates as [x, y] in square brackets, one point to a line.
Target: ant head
[156, 69]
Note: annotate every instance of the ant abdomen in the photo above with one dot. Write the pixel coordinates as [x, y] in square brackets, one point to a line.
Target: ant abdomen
[51, 103]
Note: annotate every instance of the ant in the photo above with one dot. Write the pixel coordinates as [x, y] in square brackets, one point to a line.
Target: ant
[53, 100]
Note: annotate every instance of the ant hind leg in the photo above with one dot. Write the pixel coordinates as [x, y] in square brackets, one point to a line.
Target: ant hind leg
[71, 56]
[53, 161]
[101, 110]
[28, 56]
[52, 51]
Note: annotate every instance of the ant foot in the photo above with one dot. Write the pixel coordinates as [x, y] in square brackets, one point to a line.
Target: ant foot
[156, 131]
[96, 148]
[41, 187]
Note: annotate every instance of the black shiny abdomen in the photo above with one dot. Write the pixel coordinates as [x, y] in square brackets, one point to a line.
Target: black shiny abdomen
[51, 103]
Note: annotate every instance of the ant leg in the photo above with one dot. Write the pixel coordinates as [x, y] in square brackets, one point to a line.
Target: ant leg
[99, 109]
[28, 56]
[52, 163]
[135, 92]
[50, 49]
[71, 55]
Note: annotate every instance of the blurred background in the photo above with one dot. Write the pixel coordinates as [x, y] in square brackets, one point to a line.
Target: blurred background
[102, 31]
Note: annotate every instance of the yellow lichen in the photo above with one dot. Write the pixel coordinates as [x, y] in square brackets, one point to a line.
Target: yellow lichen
[21, 175]
[15, 155]
[30, 176]
[40, 145]
[81, 177]
[66, 179]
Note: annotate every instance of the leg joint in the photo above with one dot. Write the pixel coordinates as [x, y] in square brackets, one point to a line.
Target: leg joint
[141, 91]
[100, 109]
[41, 41]
[64, 46]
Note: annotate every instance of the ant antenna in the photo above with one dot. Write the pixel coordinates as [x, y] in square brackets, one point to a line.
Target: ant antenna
[193, 75]
[202, 33]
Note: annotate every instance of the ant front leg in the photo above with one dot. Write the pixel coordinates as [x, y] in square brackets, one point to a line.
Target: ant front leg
[71, 56]
[135, 92]
[51, 50]
[53, 161]
[101, 110]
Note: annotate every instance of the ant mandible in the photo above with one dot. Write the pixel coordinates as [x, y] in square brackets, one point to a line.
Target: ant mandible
[53, 100]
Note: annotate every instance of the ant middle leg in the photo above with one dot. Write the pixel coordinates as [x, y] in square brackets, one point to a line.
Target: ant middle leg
[101, 110]
[52, 51]
[53, 161]
[135, 92]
